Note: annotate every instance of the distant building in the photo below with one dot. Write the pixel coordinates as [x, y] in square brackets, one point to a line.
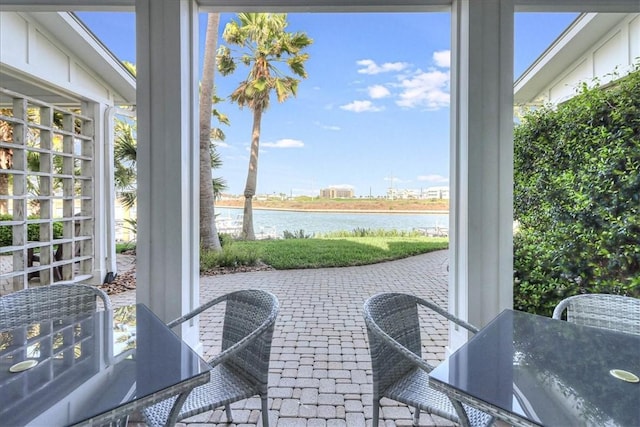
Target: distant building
[394, 193]
[336, 193]
[426, 193]
[436, 193]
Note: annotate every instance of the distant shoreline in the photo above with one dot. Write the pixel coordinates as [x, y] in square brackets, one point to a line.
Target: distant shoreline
[346, 211]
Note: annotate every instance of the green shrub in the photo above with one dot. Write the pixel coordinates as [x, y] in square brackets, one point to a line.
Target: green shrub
[6, 234]
[368, 232]
[295, 235]
[33, 230]
[125, 246]
[225, 239]
[577, 197]
[230, 257]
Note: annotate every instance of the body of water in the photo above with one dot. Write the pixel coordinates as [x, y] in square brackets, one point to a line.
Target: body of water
[267, 221]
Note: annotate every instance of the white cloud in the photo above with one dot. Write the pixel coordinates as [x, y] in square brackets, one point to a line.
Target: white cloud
[370, 66]
[395, 179]
[284, 143]
[434, 178]
[428, 90]
[327, 127]
[378, 91]
[442, 58]
[221, 144]
[361, 107]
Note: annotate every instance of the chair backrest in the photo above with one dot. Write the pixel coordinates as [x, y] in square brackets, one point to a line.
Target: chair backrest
[392, 319]
[615, 312]
[49, 302]
[245, 312]
[397, 316]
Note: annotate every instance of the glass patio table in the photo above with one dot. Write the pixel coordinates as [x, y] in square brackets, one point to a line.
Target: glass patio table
[532, 370]
[93, 369]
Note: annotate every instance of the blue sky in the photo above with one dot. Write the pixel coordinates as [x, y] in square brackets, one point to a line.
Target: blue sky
[374, 111]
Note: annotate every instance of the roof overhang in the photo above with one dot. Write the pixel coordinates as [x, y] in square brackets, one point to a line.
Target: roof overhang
[67, 28]
[622, 6]
[76, 37]
[583, 33]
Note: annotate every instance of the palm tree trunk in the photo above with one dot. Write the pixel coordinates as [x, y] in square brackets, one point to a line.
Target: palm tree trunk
[208, 232]
[252, 178]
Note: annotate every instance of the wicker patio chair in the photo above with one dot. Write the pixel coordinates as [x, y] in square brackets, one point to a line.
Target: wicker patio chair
[399, 372]
[615, 312]
[241, 369]
[49, 302]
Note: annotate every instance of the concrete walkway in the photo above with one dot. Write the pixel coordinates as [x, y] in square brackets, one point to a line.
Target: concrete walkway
[320, 371]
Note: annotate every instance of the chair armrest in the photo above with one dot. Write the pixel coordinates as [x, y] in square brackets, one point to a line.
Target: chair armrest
[237, 346]
[447, 315]
[402, 350]
[562, 305]
[195, 312]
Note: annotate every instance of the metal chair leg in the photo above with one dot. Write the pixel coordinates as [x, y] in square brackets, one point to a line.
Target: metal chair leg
[227, 409]
[265, 412]
[376, 412]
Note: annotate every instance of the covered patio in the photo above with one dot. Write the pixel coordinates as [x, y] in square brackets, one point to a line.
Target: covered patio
[320, 364]
[320, 369]
[481, 138]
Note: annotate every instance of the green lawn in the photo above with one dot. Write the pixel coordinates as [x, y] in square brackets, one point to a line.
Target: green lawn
[286, 254]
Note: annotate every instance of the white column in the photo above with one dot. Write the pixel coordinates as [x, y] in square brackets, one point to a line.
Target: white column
[481, 237]
[103, 184]
[168, 204]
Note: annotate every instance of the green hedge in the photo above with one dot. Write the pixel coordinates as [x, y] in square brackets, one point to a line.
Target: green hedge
[577, 197]
[33, 230]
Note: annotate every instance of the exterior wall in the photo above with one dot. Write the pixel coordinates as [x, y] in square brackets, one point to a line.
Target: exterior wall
[44, 57]
[613, 56]
[29, 51]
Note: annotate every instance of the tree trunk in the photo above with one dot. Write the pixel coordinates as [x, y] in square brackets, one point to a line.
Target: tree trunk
[208, 231]
[252, 178]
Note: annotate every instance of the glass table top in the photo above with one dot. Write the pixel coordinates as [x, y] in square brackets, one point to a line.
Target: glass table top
[88, 365]
[549, 372]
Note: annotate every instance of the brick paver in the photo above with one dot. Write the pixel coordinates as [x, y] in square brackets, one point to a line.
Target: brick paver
[320, 371]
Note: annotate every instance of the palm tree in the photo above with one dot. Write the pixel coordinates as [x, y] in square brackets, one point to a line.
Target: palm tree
[208, 232]
[263, 43]
[125, 155]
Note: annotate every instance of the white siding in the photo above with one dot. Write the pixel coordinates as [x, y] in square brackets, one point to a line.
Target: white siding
[13, 38]
[611, 57]
[566, 85]
[30, 50]
[634, 39]
[608, 57]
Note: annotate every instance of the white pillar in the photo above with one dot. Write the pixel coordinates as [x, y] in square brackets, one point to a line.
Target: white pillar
[103, 185]
[481, 238]
[168, 203]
